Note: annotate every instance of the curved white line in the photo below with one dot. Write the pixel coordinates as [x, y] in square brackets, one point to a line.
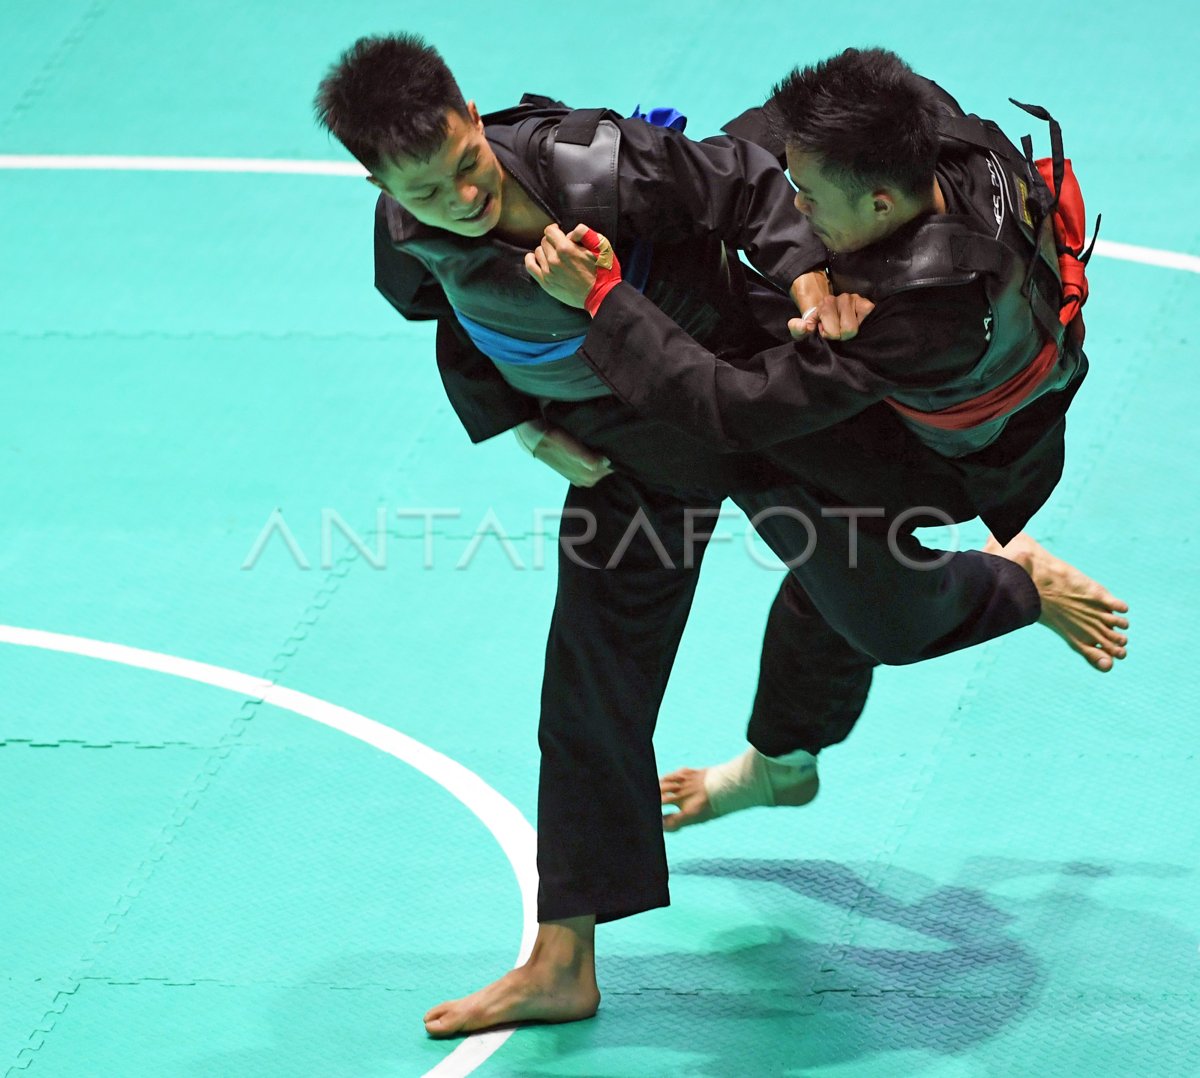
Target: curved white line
[1127, 252]
[502, 818]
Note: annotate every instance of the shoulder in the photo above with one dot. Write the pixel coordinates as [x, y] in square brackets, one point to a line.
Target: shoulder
[391, 220]
[395, 225]
[940, 98]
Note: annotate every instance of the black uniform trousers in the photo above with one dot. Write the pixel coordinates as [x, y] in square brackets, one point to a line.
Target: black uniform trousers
[628, 566]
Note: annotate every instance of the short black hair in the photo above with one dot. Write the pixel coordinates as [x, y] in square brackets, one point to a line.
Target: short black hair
[866, 115]
[387, 97]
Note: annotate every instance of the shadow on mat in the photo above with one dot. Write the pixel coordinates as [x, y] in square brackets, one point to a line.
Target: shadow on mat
[959, 966]
[838, 965]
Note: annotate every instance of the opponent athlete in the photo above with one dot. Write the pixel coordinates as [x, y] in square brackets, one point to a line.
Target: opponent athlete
[932, 215]
[462, 204]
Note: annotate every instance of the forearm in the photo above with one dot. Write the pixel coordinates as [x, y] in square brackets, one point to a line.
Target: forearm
[773, 396]
[673, 188]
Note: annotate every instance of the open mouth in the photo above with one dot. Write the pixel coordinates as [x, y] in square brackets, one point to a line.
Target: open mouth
[478, 213]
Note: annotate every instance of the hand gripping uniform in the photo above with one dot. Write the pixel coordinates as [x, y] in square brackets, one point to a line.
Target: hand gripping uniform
[506, 349]
[508, 353]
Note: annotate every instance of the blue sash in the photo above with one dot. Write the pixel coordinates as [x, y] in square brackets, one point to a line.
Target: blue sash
[505, 349]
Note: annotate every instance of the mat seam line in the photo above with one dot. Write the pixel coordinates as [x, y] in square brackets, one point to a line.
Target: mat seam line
[183, 810]
[54, 62]
[158, 850]
[855, 915]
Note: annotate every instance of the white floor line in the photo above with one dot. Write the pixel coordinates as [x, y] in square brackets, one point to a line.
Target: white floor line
[1150, 256]
[114, 163]
[1126, 252]
[511, 830]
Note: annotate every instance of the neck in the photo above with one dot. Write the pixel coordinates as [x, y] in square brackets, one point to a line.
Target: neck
[909, 209]
[521, 219]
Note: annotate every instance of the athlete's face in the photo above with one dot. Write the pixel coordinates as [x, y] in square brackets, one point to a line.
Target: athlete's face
[842, 222]
[458, 188]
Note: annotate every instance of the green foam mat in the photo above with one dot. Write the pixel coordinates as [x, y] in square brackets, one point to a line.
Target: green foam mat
[999, 877]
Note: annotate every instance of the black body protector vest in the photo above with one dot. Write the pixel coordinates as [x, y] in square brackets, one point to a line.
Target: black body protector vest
[484, 278]
[1009, 246]
[479, 275]
[488, 283]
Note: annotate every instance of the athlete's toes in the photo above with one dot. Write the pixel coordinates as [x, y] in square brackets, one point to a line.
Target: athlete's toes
[440, 1021]
[435, 1012]
[1095, 656]
[674, 778]
[1112, 642]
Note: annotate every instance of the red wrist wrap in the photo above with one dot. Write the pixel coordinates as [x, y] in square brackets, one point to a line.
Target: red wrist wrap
[608, 270]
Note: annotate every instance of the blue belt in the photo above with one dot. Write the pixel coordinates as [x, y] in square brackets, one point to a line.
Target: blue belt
[505, 349]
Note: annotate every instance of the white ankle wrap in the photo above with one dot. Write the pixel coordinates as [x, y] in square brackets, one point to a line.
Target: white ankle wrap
[754, 779]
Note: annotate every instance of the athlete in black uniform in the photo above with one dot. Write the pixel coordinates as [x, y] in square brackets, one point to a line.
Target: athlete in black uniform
[932, 215]
[462, 205]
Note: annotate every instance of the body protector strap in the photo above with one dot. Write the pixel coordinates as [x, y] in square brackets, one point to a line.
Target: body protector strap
[583, 150]
[584, 154]
[1017, 258]
[582, 147]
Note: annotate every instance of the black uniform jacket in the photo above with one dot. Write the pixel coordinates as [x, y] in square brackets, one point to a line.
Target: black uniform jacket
[766, 401]
[688, 198]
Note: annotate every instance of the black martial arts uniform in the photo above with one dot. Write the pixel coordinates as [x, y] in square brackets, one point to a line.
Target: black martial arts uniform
[615, 630]
[917, 341]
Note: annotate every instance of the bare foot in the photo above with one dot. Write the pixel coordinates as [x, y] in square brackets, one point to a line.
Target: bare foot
[685, 790]
[746, 781]
[557, 984]
[1084, 613]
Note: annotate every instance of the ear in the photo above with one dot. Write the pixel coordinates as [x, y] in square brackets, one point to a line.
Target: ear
[374, 182]
[882, 202]
[473, 113]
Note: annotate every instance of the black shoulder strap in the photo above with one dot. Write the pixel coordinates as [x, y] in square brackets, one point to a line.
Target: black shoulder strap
[1056, 147]
[531, 106]
[579, 126]
[944, 250]
[981, 135]
[583, 159]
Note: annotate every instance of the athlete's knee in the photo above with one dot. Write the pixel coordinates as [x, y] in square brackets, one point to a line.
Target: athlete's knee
[886, 642]
[894, 653]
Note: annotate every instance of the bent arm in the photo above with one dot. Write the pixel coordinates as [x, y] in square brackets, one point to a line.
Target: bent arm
[672, 188]
[912, 340]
